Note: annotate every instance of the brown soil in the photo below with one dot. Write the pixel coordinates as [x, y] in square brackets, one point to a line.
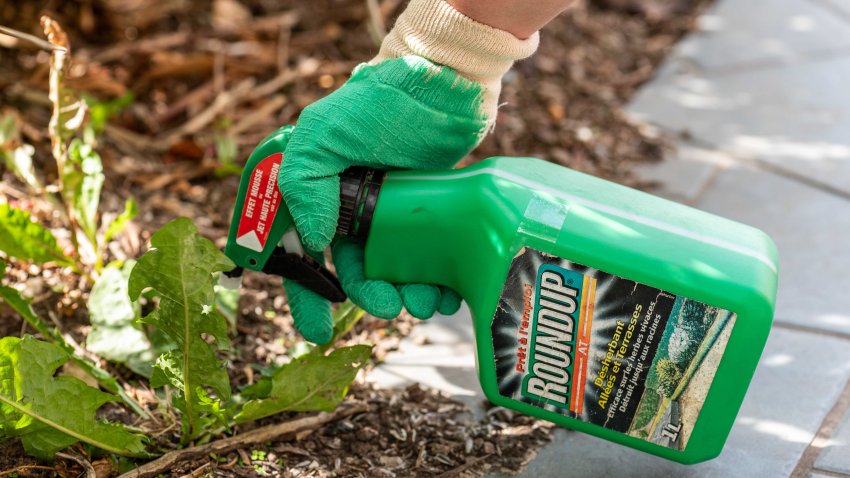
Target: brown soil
[178, 57]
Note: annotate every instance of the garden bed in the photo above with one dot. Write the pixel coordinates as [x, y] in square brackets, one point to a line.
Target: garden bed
[194, 88]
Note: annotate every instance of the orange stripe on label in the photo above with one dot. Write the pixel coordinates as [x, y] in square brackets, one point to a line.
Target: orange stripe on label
[579, 361]
[585, 326]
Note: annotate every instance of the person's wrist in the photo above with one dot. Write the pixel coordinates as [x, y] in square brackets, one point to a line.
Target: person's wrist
[513, 16]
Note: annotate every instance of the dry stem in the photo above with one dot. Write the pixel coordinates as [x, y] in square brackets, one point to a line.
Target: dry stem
[259, 435]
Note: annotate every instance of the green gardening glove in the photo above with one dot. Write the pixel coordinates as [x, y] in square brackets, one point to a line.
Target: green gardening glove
[424, 102]
[403, 113]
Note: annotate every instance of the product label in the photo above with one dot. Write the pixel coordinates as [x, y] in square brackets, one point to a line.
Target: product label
[261, 204]
[606, 350]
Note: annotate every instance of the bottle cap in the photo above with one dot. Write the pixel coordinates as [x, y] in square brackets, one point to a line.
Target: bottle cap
[358, 195]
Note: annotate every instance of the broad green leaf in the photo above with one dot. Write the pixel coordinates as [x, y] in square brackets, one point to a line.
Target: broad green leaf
[21, 305]
[312, 382]
[180, 268]
[120, 222]
[26, 240]
[82, 181]
[115, 333]
[51, 413]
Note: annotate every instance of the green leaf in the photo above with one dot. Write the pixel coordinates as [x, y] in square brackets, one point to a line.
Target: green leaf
[227, 304]
[226, 151]
[119, 223]
[82, 181]
[115, 333]
[309, 383]
[51, 413]
[100, 112]
[21, 305]
[16, 155]
[26, 240]
[344, 318]
[180, 268]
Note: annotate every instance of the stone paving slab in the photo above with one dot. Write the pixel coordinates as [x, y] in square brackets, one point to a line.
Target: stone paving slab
[840, 7]
[795, 117]
[836, 456]
[736, 34]
[684, 174]
[809, 227]
[798, 380]
[445, 361]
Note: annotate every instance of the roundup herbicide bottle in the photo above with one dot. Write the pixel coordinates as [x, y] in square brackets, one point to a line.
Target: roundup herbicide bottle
[595, 306]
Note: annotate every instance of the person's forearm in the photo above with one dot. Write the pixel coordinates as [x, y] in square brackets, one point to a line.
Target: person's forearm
[520, 17]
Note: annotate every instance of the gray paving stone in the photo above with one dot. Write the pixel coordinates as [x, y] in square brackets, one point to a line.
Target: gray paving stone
[741, 34]
[809, 228]
[683, 174]
[794, 116]
[798, 381]
[840, 8]
[836, 456]
[446, 361]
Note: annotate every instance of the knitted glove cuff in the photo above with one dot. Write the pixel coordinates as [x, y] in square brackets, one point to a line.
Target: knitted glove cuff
[436, 31]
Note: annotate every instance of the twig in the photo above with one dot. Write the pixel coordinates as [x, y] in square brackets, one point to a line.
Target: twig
[287, 76]
[198, 471]
[229, 464]
[271, 23]
[46, 45]
[222, 102]
[90, 473]
[165, 430]
[197, 95]
[259, 435]
[146, 45]
[23, 468]
[460, 469]
[282, 79]
[283, 37]
[260, 114]
[132, 143]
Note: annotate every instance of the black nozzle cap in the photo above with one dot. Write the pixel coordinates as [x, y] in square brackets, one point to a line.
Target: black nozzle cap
[358, 195]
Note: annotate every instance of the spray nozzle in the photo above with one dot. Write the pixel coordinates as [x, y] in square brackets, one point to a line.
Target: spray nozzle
[262, 236]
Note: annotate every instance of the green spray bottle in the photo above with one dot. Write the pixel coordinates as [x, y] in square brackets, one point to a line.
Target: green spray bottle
[595, 306]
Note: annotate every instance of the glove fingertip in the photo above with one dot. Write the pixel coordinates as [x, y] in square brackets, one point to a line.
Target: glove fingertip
[313, 203]
[310, 313]
[420, 300]
[380, 299]
[449, 301]
[317, 237]
[317, 332]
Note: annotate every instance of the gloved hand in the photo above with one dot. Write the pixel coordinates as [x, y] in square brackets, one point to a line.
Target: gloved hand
[424, 103]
